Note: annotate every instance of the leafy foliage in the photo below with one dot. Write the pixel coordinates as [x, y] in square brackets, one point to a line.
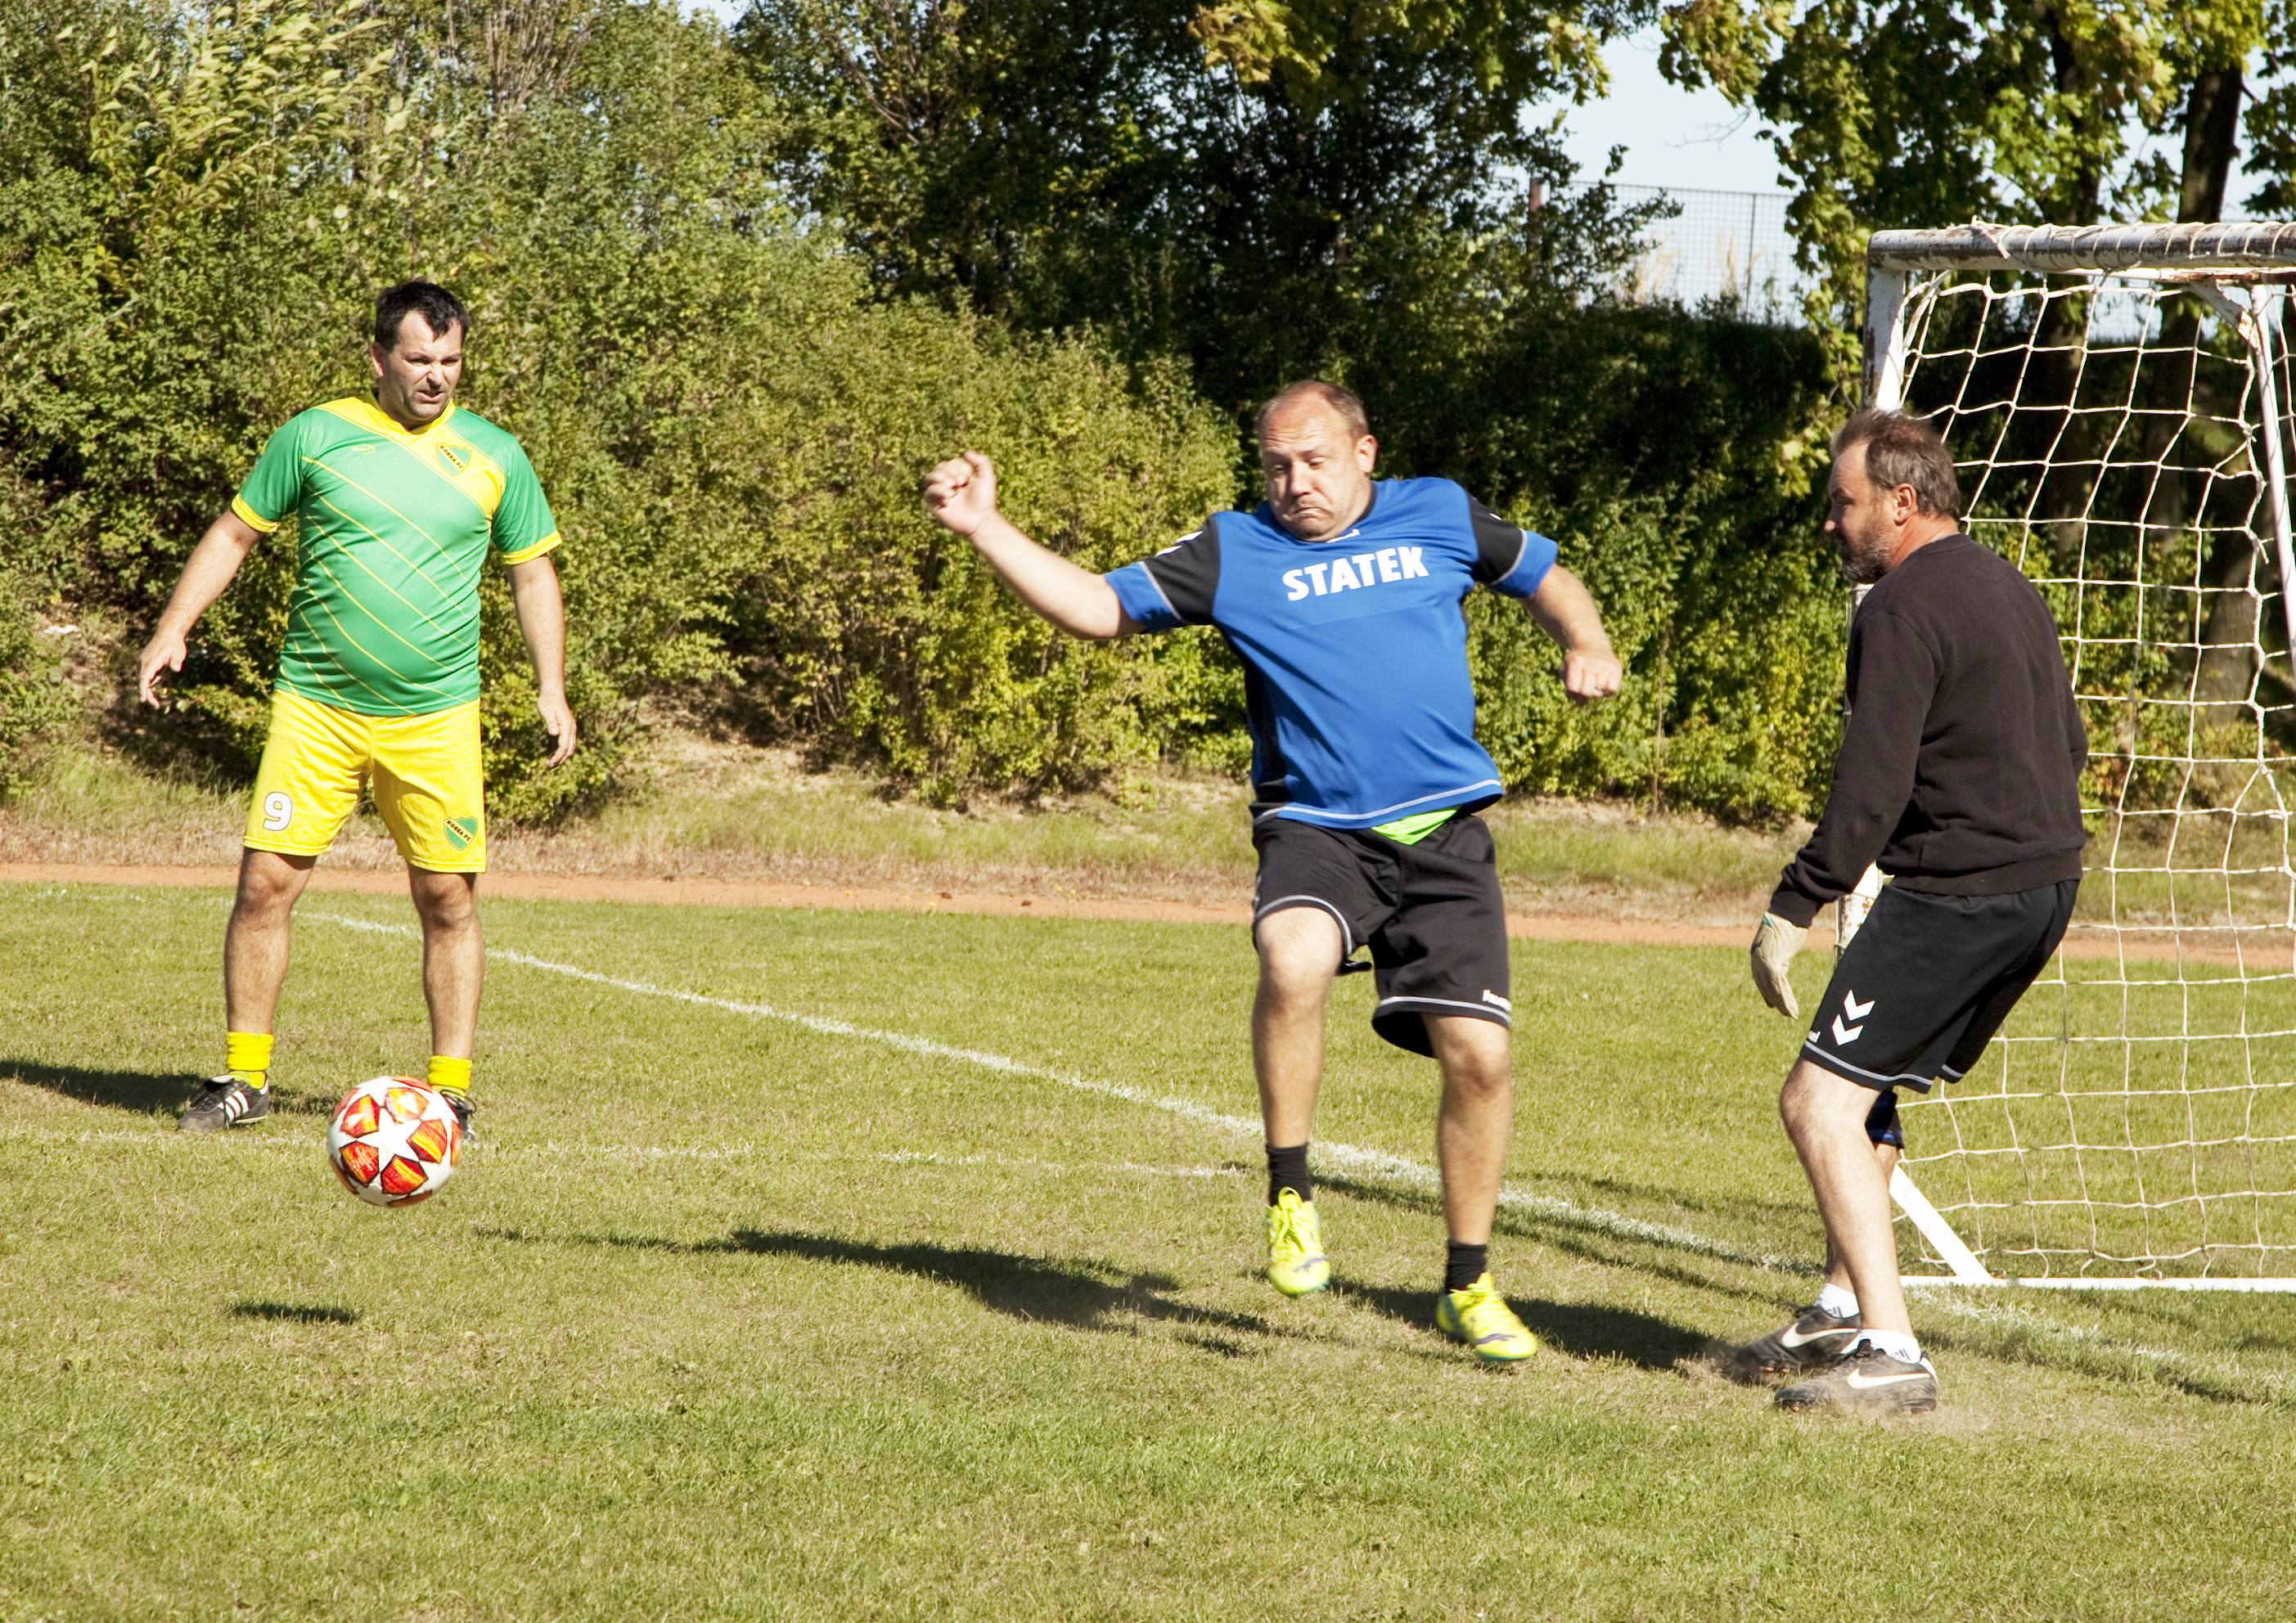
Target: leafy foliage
[34, 700]
[1259, 190]
[1343, 190]
[1902, 113]
[735, 297]
[197, 211]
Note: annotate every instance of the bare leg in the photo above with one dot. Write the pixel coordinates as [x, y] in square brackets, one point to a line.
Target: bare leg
[1825, 1115]
[1837, 1271]
[1473, 1124]
[1298, 956]
[255, 944]
[454, 957]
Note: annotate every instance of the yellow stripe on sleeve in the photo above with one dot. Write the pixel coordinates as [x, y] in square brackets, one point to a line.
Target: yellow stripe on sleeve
[254, 520]
[527, 553]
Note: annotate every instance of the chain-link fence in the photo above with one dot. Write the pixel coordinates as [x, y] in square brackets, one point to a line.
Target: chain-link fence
[1729, 250]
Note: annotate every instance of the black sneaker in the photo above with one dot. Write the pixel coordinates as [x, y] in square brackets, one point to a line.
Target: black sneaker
[1867, 1380]
[1816, 1337]
[463, 1111]
[225, 1101]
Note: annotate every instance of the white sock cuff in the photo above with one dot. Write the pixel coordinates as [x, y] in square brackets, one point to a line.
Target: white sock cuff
[1901, 1346]
[1841, 1303]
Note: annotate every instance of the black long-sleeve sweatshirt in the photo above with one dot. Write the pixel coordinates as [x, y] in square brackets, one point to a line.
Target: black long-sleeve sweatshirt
[1959, 772]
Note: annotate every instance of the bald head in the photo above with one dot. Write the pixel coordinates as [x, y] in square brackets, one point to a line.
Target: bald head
[1310, 394]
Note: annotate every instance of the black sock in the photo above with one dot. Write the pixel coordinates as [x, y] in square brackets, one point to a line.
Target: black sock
[1287, 1169]
[1465, 1265]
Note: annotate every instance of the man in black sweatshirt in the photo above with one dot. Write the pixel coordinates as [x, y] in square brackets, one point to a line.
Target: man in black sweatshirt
[1959, 775]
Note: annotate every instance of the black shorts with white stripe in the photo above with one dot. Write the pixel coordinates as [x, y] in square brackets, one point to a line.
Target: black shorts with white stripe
[1431, 915]
[1928, 979]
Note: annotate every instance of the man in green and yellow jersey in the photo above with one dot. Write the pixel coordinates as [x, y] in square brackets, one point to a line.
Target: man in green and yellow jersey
[396, 501]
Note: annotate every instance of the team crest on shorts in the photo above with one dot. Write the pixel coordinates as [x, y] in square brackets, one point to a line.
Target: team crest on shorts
[461, 831]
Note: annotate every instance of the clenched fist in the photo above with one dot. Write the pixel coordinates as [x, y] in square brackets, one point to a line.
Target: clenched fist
[960, 493]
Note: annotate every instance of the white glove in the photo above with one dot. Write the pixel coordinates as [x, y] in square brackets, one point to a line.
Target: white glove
[1776, 943]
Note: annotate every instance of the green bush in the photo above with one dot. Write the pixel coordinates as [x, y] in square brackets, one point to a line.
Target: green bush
[34, 700]
[1652, 444]
[732, 419]
[731, 430]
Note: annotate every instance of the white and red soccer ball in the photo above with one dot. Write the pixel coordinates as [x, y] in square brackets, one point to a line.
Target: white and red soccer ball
[394, 1141]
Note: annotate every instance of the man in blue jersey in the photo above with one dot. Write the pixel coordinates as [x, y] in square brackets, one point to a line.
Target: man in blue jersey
[1341, 595]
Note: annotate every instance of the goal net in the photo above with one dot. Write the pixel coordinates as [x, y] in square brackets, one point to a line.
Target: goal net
[2114, 400]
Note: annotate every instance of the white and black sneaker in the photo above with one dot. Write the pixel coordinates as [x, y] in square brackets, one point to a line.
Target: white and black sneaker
[1816, 1337]
[1867, 1380]
[460, 1103]
[225, 1101]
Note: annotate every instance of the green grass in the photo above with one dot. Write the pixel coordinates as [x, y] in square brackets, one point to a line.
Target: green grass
[730, 1316]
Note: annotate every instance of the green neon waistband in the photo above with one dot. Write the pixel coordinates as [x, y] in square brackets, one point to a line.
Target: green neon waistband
[1417, 827]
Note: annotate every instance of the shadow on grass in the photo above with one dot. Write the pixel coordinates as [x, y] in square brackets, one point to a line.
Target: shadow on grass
[294, 1313]
[1593, 1235]
[142, 1092]
[1078, 1294]
[1595, 1331]
[1584, 1329]
[1732, 1208]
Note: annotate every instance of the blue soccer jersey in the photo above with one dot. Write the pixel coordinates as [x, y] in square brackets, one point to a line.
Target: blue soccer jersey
[1354, 649]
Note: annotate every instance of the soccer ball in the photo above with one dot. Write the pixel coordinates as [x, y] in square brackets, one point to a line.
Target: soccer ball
[394, 1141]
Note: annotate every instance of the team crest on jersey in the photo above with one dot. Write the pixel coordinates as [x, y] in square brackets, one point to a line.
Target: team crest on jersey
[457, 457]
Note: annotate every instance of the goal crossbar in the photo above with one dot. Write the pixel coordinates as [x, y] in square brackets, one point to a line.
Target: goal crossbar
[2259, 246]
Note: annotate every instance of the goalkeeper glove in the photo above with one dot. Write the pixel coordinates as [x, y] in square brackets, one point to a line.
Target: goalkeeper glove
[1776, 943]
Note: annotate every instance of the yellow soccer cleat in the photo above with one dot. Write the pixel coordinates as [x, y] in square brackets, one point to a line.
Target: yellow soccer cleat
[1295, 1246]
[1479, 1315]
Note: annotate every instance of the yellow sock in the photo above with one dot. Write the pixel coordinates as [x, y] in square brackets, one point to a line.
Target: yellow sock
[450, 1077]
[247, 1056]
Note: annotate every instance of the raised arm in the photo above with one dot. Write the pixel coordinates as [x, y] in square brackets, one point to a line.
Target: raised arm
[206, 573]
[961, 494]
[542, 619]
[1565, 611]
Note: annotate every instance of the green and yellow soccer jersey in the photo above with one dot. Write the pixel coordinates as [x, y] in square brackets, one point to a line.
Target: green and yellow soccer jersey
[394, 528]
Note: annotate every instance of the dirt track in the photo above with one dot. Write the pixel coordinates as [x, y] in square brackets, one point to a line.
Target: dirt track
[731, 893]
[1589, 928]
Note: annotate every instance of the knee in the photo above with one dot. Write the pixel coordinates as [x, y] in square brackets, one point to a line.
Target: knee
[446, 908]
[1296, 964]
[1293, 983]
[265, 898]
[1482, 1076]
[1793, 1105]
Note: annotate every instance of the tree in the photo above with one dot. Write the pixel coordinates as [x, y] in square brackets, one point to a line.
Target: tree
[1249, 186]
[1889, 113]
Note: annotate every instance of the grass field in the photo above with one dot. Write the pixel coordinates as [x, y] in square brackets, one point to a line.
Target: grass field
[863, 1266]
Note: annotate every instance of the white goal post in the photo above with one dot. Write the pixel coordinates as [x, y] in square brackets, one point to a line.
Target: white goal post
[2114, 399]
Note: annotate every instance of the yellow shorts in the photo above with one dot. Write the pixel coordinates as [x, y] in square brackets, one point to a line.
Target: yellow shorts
[428, 781]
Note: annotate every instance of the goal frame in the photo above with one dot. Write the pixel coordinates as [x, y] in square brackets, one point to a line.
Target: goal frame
[2258, 255]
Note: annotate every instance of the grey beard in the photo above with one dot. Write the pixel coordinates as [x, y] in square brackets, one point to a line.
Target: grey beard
[1860, 569]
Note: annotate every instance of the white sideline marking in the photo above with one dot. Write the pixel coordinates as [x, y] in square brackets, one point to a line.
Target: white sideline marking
[1342, 1157]
[1618, 1225]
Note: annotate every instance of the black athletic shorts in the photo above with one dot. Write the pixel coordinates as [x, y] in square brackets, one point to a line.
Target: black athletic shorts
[1431, 912]
[1926, 982]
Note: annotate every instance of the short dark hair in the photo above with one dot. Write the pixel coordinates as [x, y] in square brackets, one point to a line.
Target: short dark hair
[1902, 450]
[1345, 406]
[439, 309]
